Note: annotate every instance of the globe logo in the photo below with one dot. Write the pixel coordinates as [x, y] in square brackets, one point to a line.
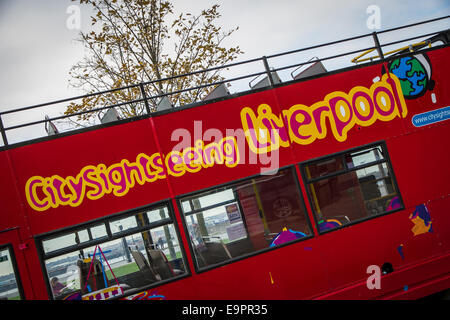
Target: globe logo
[414, 74]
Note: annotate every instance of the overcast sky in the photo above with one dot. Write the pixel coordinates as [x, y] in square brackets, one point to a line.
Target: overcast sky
[37, 49]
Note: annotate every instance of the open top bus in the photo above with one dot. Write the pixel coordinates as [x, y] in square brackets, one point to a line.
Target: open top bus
[298, 189]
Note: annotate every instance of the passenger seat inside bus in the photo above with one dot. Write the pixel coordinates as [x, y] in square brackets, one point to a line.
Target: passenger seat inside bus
[215, 252]
[240, 247]
[160, 264]
[146, 271]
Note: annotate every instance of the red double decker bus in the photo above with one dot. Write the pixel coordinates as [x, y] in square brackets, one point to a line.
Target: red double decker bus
[331, 185]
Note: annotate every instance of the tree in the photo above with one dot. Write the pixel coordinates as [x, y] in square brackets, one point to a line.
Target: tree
[130, 46]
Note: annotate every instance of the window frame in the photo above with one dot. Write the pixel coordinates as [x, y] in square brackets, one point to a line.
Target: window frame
[9, 246]
[110, 237]
[225, 185]
[386, 160]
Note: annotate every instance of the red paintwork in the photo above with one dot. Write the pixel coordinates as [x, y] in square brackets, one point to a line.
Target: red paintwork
[331, 266]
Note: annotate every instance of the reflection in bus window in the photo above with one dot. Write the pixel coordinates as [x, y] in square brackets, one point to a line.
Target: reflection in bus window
[9, 289]
[363, 189]
[364, 157]
[326, 167]
[138, 253]
[245, 217]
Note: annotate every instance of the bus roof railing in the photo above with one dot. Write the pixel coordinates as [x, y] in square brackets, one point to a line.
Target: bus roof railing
[267, 70]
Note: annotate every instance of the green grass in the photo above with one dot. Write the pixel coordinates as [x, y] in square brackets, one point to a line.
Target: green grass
[123, 270]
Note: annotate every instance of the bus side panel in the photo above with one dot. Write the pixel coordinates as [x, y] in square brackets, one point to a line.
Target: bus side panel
[315, 95]
[69, 156]
[416, 281]
[417, 253]
[211, 123]
[420, 162]
[425, 185]
[11, 209]
[295, 271]
[36, 280]
[419, 158]
[19, 235]
[352, 263]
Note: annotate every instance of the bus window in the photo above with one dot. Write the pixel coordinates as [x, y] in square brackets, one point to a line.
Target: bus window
[245, 217]
[326, 167]
[365, 188]
[9, 287]
[132, 251]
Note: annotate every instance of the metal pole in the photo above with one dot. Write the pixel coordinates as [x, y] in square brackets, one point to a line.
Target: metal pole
[172, 252]
[377, 44]
[200, 218]
[125, 246]
[269, 74]
[2, 129]
[144, 96]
